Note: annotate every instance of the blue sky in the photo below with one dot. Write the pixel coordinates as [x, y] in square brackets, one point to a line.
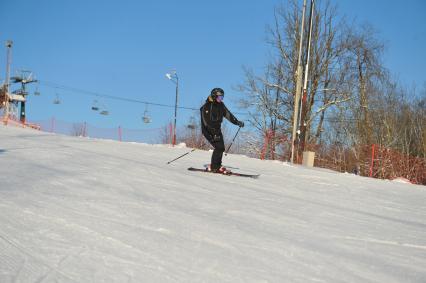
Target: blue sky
[125, 48]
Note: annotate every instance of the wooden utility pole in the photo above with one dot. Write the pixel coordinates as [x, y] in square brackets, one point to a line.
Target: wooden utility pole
[303, 109]
[299, 73]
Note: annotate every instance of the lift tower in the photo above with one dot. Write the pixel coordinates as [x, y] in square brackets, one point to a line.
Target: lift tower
[19, 95]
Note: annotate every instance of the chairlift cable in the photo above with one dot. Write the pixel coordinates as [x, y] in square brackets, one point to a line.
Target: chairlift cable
[49, 84]
[72, 89]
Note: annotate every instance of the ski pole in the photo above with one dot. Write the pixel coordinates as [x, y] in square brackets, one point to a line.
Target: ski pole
[226, 152]
[181, 156]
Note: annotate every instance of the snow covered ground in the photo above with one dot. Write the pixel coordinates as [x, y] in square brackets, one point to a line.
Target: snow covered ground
[83, 210]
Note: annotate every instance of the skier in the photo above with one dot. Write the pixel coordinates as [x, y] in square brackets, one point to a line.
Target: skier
[212, 113]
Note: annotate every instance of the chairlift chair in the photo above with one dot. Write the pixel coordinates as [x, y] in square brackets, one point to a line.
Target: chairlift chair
[37, 92]
[192, 124]
[146, 119]
[100, 105]
[57, 100]
[95, 106]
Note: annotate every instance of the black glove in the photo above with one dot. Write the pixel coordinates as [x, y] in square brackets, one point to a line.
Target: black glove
[241, 124]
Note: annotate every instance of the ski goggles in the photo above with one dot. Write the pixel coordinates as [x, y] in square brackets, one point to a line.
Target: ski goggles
[219, 98]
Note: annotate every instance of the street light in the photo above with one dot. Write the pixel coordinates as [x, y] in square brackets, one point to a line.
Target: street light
[9, 44]
[172, 76]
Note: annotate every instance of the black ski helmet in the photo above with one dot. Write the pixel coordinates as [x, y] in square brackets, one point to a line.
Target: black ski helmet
[217, 91]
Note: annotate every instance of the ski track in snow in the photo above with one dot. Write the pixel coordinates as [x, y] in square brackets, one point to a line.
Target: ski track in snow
[393, 243]
[85, 210]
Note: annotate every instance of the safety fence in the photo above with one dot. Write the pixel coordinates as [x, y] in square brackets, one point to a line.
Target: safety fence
[13, 121]
[84, 129]
[368, 160]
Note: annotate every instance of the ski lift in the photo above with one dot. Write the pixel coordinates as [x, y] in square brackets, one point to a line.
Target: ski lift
[37, 92]
[146, 119]
[192, 124]
[100, 105]
[57, 100]
[95, 106]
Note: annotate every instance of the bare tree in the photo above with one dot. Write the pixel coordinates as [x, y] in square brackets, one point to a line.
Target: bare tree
[165, 136]
[352, 102]
[268, 111]
[79, 130]
[363, 57]
[327, 73]
[191, 134]
[270, 97]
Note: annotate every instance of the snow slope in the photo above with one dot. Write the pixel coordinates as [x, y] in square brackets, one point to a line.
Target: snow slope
[82, 210]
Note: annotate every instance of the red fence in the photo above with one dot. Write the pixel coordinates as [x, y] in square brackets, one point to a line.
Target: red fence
[87, 130]
[372, 160]
[389, 164]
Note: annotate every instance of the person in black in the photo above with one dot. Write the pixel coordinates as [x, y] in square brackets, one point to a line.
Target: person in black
[212, 113]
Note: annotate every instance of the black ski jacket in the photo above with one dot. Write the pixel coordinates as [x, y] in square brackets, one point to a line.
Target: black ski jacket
[212, 114]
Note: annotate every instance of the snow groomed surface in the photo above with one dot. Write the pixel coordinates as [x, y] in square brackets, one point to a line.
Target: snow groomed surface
[83, 210]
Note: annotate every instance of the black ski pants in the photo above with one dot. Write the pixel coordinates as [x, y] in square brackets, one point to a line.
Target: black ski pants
[219, 148]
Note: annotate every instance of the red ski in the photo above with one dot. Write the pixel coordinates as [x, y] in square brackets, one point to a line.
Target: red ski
[227, 173]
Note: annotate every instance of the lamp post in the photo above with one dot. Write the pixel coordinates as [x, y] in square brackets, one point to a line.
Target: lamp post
[172, 76]
[9, 44]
